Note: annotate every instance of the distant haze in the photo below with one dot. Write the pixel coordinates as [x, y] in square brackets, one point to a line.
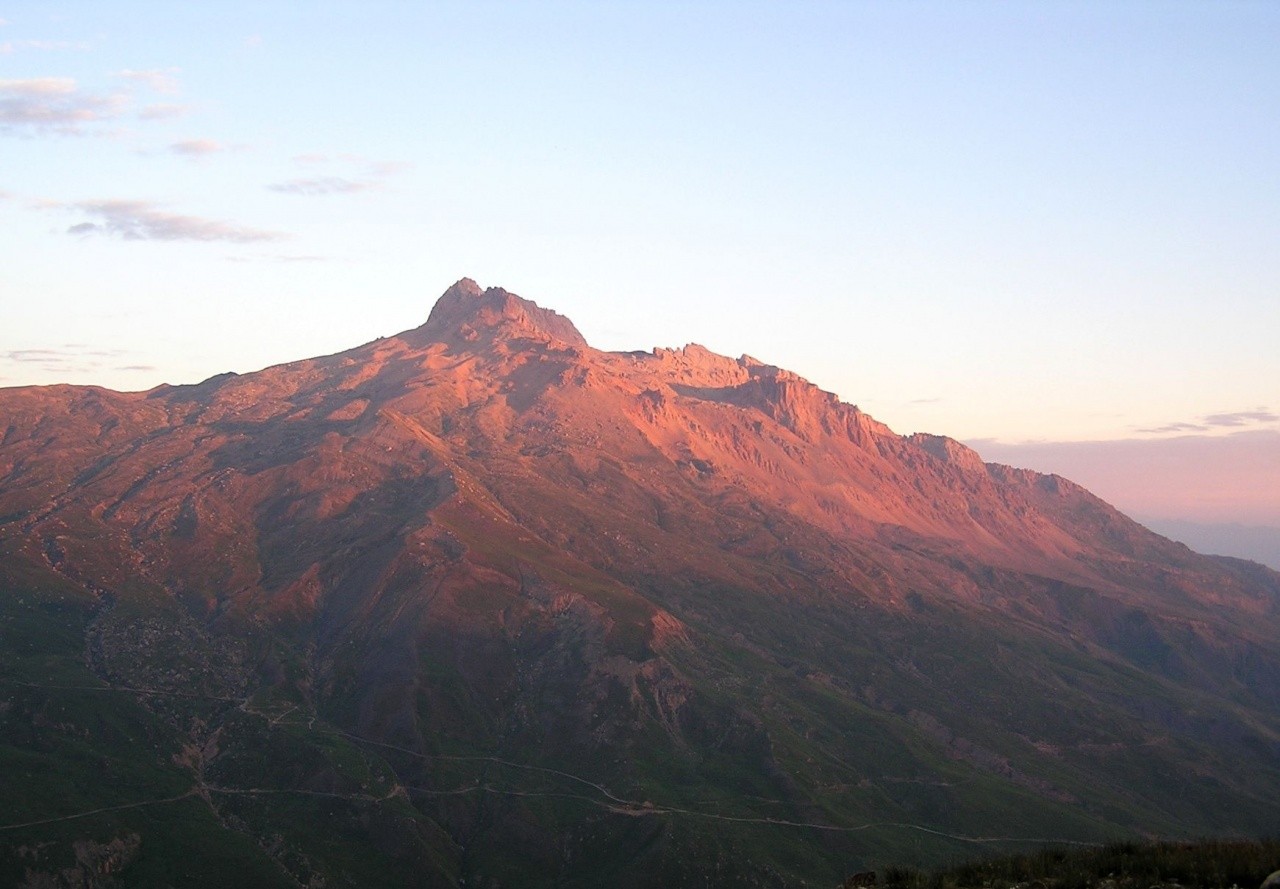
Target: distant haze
[1217, 494]
[1258, 543]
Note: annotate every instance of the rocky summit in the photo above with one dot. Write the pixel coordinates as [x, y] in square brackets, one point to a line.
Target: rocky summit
[480, 605]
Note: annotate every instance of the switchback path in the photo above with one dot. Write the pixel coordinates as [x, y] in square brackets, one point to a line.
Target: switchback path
[611, 802]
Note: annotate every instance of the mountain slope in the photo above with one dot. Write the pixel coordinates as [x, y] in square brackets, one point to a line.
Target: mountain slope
[479, 602]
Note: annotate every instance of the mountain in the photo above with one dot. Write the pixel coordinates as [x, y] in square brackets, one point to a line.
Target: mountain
[480, 605]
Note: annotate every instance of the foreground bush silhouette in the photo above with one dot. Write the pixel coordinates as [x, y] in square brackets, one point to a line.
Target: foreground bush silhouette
[1204, 864]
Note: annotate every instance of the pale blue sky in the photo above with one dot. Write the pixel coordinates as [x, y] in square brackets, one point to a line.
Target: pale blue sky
[1053, 221]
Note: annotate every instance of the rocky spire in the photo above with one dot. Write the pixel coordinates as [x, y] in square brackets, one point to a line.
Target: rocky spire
[465, 305]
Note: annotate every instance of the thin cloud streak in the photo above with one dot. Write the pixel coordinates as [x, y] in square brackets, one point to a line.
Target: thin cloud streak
[323, 185]
[161, 81]
[144, 221]
[279, 257]
[1260, 416]
[1242, 418]
[162, 111]
[389, 168]
[39, 86]
[197, 147]
[1177, 427]
[69, 359]
[315, 186]
[11, 46]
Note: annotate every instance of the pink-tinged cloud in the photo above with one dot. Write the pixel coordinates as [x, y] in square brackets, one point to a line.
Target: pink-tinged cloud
[1196, 478]
[279, 257]
[70, 358]
[144, 221]
[12, 46]
[77, 359]
[162, 111]
[159, 80]
[323, 185]
[39, 87]
[1225, 420]
[197, 147]
[54, 104]
[388, 168]
[1242, 418]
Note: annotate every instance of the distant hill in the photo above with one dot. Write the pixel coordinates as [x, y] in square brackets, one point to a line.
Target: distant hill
[478, 604]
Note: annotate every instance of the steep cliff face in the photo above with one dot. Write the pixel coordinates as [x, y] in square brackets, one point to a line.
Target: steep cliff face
[521, 612]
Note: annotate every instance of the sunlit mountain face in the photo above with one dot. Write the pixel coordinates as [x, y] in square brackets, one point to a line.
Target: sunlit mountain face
[481, 605]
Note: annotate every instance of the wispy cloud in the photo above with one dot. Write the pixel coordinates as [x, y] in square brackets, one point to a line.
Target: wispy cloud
[145, 221]
[72, 358]
[279, 257]
[68, 358]
[160, 80]
[369, 175]
[39, 87]
[1242, 418]
[59, 105]
[162, 111]
[197, 147]
[321, 186]
[1177, 427]
[11, 46]
[1260, 416]
[55, 104]
[383, 169]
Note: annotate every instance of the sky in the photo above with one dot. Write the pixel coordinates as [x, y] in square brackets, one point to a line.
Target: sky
[1017, 224]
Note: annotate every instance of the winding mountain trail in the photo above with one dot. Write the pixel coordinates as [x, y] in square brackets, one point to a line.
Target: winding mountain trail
[610, 802]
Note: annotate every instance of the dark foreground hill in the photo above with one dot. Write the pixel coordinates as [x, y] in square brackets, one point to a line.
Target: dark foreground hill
[480, 605]
[1203, 864]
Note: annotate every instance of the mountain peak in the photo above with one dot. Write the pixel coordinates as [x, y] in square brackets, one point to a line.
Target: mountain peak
[464, 287]
[465, 308]
[697, 581]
